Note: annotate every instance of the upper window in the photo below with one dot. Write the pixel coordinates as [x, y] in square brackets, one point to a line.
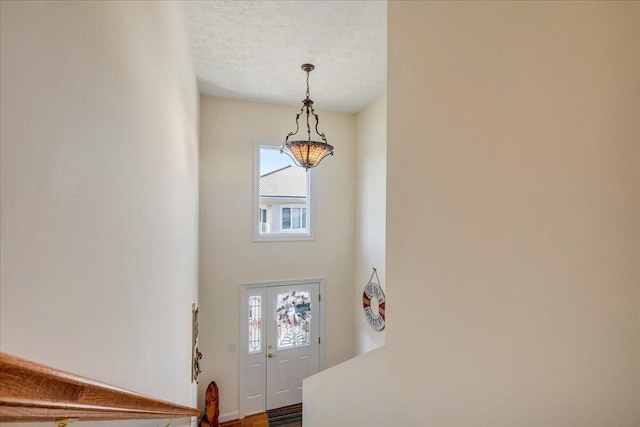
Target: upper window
[281, 197]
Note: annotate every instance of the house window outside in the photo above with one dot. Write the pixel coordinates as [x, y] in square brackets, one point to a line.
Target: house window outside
[264, 225]
[294, 218]
[282, 197]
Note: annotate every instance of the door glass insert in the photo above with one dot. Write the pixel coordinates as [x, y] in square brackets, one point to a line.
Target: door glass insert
[255, 324]
[293, 319]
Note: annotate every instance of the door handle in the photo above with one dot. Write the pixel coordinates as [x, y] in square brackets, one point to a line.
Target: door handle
[271, 355]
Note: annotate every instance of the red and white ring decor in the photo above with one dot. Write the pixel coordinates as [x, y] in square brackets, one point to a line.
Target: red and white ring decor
[373, 291]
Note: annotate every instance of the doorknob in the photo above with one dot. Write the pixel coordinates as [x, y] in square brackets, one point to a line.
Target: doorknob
[271, 355]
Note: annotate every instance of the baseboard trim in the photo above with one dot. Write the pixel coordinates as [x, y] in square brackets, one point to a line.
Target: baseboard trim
[229, 416]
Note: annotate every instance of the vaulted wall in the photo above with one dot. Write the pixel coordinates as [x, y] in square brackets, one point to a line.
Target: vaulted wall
[99, 197]
[229, 257]
[513, 221]
[371, 215]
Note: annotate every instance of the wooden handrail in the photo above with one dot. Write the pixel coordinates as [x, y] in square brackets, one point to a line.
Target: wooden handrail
[30, 391]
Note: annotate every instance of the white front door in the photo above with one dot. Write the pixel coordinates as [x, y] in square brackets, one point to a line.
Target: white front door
[293, 341]
[280, 327]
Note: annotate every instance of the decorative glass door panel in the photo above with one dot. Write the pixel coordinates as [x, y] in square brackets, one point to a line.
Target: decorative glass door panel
[293, 319]
[255, 324]
[292, 339]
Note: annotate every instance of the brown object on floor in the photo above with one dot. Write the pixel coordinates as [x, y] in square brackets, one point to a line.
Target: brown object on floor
[211, 407]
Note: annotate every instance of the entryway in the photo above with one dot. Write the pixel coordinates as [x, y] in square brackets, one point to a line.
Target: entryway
[281, 330]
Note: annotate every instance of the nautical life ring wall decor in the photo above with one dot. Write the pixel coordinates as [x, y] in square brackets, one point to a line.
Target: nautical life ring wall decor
[372, 290]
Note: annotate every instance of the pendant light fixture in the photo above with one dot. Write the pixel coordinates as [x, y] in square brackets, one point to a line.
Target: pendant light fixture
[307, 153]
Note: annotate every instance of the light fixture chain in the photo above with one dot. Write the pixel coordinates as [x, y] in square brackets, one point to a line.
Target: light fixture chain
[308, 125]
[308, 94]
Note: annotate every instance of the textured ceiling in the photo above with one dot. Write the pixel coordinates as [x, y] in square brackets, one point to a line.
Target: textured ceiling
[253, 50]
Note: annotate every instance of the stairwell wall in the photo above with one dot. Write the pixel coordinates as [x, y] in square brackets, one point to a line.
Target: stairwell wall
[99, 193]
[513, 220]
[371, 197]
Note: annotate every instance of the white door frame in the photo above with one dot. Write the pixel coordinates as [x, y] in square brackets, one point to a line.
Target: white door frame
[245, 290]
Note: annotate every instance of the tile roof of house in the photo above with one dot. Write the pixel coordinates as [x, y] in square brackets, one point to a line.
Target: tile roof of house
[289, 182]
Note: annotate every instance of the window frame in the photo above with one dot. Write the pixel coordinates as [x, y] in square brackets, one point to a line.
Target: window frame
[278, 234]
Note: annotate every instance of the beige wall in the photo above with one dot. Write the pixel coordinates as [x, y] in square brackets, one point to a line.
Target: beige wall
[513, 246]
[99, 112]
[371, 175]
[229, 257]
[355, 391]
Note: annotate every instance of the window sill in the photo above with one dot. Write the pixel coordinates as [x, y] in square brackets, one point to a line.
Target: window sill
[282, 237]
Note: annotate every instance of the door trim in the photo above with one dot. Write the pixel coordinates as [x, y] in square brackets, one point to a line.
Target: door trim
[244, 327]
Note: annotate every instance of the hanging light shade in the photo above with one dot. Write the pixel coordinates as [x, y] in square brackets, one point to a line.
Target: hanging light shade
[307, 153]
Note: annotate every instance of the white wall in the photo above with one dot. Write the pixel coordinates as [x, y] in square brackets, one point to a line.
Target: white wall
[229, 257]
[99, 172]
[354, 391]
[371, 179]
[513, 245]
